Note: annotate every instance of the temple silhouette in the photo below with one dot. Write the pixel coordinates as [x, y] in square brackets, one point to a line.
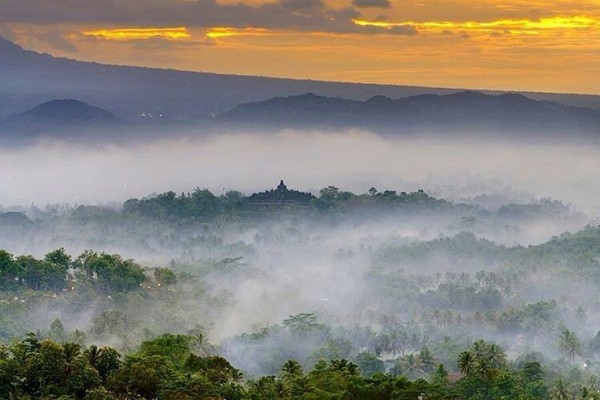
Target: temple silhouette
[281, 196]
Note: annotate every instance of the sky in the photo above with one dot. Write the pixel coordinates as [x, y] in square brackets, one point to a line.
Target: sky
[538, 45]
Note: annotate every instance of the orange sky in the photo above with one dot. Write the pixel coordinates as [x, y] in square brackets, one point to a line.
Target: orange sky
[537, 45]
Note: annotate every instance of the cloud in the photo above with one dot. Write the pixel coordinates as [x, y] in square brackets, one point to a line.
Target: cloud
[140, 33]
[389, 27]
[372, 3]
[57, 41]
[407, 30]
[303, 5]
[298, 15]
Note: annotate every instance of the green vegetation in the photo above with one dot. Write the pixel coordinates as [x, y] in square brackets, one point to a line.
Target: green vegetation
[202, 205]
[288, 296]
[169, 368]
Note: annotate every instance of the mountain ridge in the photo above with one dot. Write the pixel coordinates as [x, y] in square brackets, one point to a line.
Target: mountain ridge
[462, 111]
[151, 95]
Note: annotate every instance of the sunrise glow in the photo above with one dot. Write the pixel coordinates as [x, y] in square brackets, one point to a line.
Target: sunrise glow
[140, 33]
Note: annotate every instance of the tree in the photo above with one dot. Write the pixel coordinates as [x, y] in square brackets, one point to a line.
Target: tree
[440, 375]
[291, 370]
[175, 348]
[109, 272]
[107, 361]
[142, 376]
[267, 387]
[41, 274]
[466, 363]
[78, 337]
[59, 257]
[302, 323]
[9, 270]
[369, 364]
[293, 379]
[47, 369]
[560, 391]
[411, 366]
[57, 331]
[427, 360]
[164, 276]
[569, 344]
[532, 371]
[82, 377]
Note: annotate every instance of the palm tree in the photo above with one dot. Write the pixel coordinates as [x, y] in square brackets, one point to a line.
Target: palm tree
[71, 351]
[344, 366]
[395, 343]
[483, 368]
[480, 348]
[496, 356]
[78, 337]
[92, 354]
[466, 363]
[291, 369]
[427, 360]
[200, 345]
[560, 391]
[411, 366]
[569, 344]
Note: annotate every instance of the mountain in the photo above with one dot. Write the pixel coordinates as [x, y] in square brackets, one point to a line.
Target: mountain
[60, 119]
[65, 112]
[152, 96]
[467, 112]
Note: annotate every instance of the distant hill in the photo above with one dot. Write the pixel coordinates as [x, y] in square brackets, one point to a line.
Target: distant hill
[463, 111]
[60, 119]
[153, 96]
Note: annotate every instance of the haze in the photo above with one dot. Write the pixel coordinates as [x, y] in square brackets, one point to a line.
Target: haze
[455, 168]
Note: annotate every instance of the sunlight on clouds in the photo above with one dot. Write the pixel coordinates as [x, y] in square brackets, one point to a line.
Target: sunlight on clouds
[140, 33]
[221, 32]
[514, 25]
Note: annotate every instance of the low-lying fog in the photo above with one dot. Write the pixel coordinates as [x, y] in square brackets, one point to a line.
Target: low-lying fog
[421, 270]
[451, 167]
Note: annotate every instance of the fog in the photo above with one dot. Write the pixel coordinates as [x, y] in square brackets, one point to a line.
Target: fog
[468, 270]
[455, 168]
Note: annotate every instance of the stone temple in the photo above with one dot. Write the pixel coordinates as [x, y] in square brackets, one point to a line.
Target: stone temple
[281, 196]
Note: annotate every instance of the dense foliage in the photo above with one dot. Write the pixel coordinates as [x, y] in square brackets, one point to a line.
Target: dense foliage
[381, 295]
[205, 206]
[170, 367]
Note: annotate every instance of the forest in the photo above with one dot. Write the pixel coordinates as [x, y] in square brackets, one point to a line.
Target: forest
[286, 295]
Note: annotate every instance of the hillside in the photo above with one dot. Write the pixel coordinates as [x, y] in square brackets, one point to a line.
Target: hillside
[462, 112]
[155, 95]
[59, 119]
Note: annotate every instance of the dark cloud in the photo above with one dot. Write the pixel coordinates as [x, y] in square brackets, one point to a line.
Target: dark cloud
[408, 30]
[372, 3]
[382, 18]
[301, 15]
[303, 5]
[344, 14]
